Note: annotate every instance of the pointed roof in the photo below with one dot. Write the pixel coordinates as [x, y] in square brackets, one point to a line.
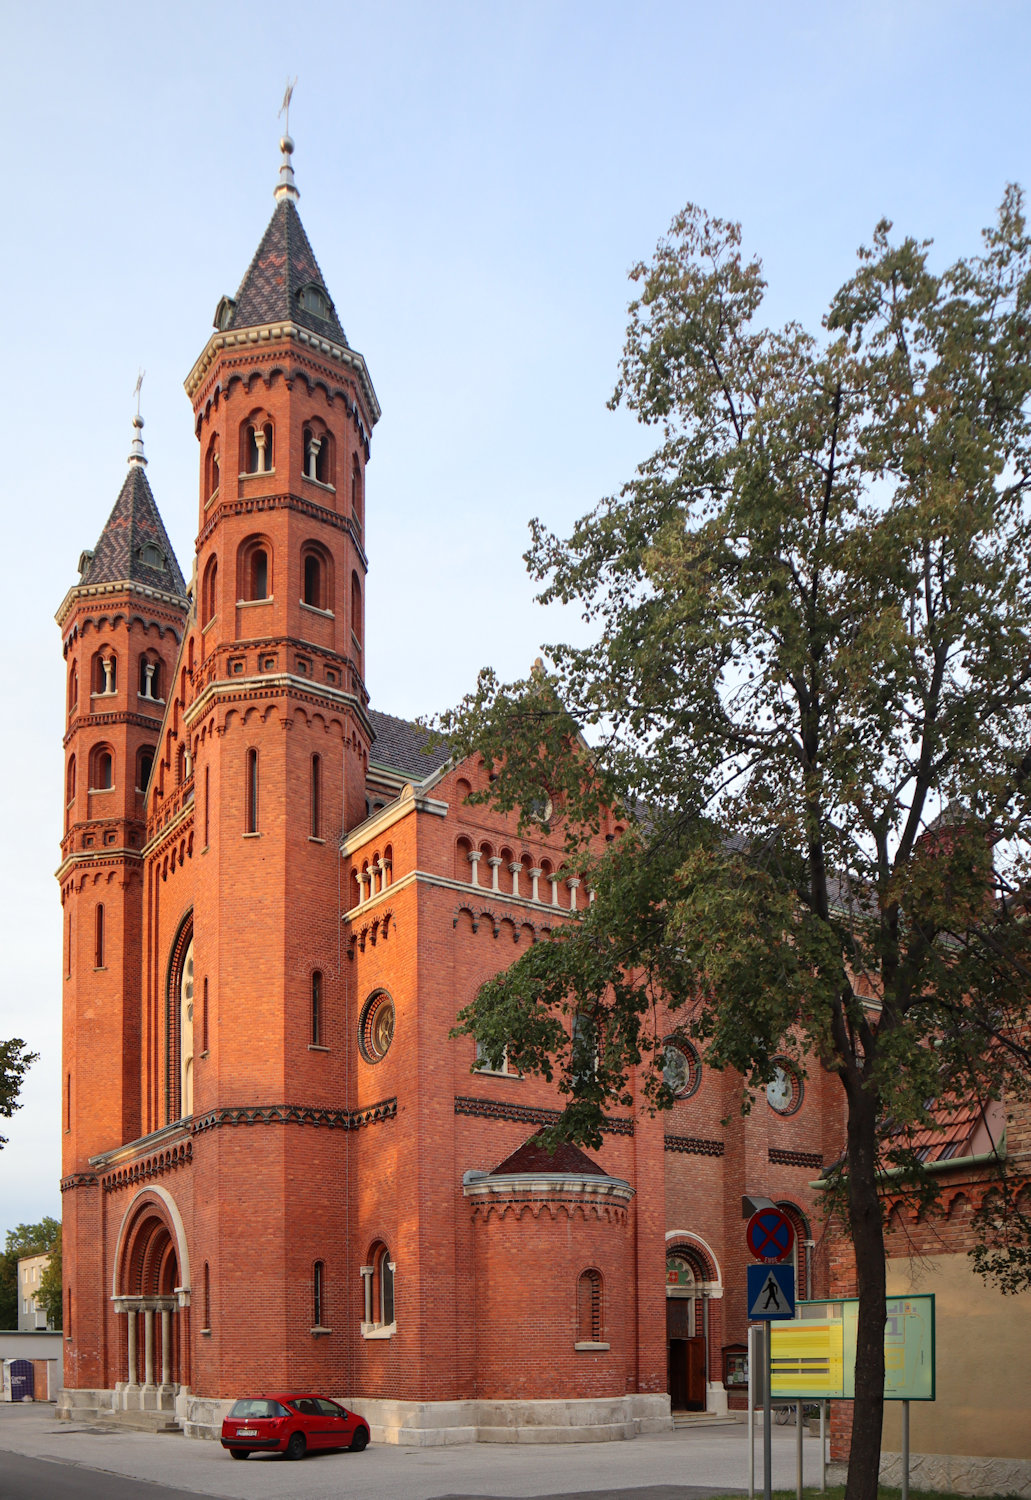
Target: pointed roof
[532, 1158]
[131, 541]
[283, 283]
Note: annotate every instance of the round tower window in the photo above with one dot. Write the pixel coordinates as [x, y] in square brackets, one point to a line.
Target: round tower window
[681, 1070]
[376, 1028]
[784, 1090]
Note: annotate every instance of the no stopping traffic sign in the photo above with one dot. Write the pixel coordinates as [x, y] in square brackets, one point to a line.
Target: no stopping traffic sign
[770, 1235]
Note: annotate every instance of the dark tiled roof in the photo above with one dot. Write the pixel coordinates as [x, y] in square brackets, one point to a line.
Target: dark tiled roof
[533, 1158]
[399, 745]
[131, 525]
[281, 268]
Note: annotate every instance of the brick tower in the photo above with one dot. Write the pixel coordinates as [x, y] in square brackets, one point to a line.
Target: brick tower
[122, 626]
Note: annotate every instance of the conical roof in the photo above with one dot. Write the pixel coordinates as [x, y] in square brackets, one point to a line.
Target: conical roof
[283, 282]
[531, 1157]
[133, 541]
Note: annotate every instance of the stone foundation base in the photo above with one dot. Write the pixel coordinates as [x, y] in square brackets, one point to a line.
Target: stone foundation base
[951, 1473]
[430, 1424]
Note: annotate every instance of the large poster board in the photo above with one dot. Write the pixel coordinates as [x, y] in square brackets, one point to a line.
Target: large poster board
[814, 1357]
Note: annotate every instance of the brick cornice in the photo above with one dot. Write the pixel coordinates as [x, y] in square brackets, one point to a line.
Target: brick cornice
[692, 1145]
[267, 341]
[101, 594]
[102, 721]
[294, 1114]
[271, 685]
[528, 1114]
[249, 505]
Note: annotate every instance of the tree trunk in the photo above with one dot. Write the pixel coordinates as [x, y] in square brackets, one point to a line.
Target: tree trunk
[867, 1226]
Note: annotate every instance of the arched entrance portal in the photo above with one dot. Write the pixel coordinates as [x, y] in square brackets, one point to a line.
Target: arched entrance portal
[689, 1283]
[150, 1294]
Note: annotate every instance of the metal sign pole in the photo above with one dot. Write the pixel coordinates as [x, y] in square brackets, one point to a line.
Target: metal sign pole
[798, 1450]
[768, 1417]
[823, 1447]
[752, 1367]
[905, 1450]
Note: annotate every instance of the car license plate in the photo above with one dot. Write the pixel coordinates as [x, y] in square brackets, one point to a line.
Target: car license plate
[247, 1432]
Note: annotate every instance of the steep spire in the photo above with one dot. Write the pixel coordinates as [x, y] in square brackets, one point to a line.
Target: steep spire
[134, 545]
[286, 187]
[283, 283]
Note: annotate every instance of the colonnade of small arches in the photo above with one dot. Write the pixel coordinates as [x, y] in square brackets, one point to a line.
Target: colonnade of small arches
[313, 384]
[517, 875]
[372, 876]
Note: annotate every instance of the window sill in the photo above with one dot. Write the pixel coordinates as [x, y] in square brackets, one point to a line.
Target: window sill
[319, 1332]
[377, 1330]
[320, 484]
[317, 1047]
[255, 835]
[112, 694]
[93, 790]
[211, 498]
[205, 628]
[146, 698]
[257, 473]
[313, 840]
[250, 603]
[313, 609]
[592, 1348]
[205, 1333]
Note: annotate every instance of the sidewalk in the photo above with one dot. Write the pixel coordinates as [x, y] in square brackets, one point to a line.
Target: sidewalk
[681, 1465]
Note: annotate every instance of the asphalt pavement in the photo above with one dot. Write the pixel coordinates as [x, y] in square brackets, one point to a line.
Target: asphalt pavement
[43, 1459]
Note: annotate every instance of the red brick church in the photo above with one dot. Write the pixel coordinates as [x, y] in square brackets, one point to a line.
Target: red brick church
[279, 1169]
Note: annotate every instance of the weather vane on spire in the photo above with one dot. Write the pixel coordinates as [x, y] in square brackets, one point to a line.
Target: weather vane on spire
[286, 187]
[136, 455]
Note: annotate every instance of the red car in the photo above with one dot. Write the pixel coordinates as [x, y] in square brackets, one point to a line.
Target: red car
[294, 1425]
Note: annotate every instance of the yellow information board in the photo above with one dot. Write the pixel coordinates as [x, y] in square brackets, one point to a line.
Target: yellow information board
[814, 1357]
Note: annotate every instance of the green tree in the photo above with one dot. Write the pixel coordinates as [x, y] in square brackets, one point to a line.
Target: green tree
[14, 1064]
[27, 1239]
[812, 666]
[51, 1286]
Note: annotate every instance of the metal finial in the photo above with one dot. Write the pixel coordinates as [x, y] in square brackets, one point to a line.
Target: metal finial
[286, 187]
[136, 454]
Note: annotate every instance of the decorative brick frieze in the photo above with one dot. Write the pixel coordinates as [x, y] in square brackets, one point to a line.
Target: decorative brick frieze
[78, 1180]
[811, 1160]
[526, 1114]
[692, 1145]
[149, 1166]
[295, 1114]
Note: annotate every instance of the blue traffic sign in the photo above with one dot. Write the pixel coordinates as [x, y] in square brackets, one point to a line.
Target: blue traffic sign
[771, 1293]
[770, 1234]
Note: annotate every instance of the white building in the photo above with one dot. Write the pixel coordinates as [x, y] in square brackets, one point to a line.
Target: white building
[31, 1315]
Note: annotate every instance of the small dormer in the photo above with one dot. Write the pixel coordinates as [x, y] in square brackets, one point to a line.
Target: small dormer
[151, 556]
[312, 298]
[224, 313]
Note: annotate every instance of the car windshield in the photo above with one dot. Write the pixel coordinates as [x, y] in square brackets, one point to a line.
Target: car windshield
[256, 1409]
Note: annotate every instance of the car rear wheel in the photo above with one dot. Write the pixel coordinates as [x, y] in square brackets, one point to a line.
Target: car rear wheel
[297, 1445]
[360, 1440]
[239, 1452]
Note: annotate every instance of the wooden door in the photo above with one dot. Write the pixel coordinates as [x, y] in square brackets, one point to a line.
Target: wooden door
[695, 1370]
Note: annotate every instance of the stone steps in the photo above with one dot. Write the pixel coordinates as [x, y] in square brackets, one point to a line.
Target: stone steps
[687, 1419]
[141, 1421]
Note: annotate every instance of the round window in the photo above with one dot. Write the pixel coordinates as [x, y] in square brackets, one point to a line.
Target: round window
[681, 1070]
[784, 1090]
[376, 1029]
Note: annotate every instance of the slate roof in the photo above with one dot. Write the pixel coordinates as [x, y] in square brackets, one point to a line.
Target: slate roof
[134, 522]
[283, 264]
[399, 745]
[532, 1158]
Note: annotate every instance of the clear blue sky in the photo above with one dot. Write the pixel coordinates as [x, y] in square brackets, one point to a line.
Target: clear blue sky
[476, 180]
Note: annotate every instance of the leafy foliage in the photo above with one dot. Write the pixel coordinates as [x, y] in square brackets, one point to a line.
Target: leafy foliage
[14, 1064]
[812, 666]
[51, 1286]
[27, 1239]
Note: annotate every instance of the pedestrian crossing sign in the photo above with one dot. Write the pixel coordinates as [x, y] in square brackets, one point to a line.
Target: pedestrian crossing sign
[771, 1292]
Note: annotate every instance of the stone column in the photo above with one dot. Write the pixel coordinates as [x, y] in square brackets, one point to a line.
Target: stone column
[514, 869]
[130, 1319]
[148, 1347]
[574, 884]
[554, 889]
[495, 866]
[535, 876]
[166, 1346]
[474, 860]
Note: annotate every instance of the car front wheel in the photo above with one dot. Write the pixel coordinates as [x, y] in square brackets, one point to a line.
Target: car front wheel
[239, 1452]
[360, 1440]
[296, 1447]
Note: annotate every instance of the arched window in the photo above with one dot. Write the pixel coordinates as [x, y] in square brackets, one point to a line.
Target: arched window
[69, 791]
[357, 509]
[588, 1308]
[204, 1021]
[98, 936]
[316, 797]
[211, 468]
[150, 679]
[313, 581]
[251, 792]
[255, 569]
[318, 1293]
[207, 606]
[207, 1296]
[73, 689]
[318, 454]
[256, 446]
[105, 673]
[179, 1026]
[378, 1276]
[356, 611]
[317, 1027]
[102, 775]
[144, 766]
